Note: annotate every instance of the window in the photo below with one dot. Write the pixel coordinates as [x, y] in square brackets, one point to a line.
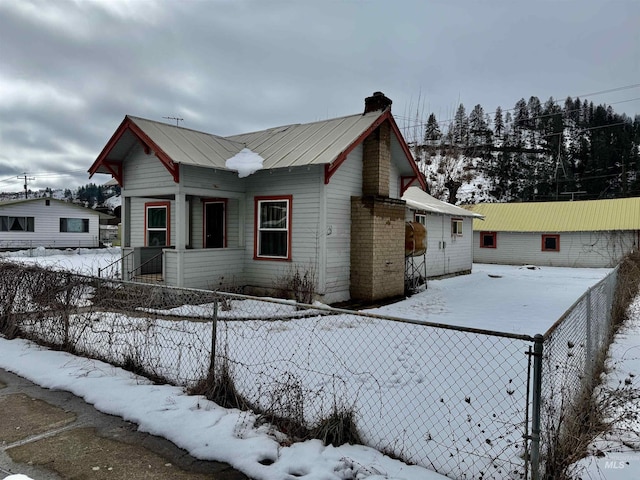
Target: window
[273, 227]
[487, 239]
[75, 225]
[157, 233]
[17, 224]
[456, 227]
[550, 243]
[421, 218]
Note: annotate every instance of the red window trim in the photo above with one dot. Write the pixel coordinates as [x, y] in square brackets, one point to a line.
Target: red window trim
[495, 238]
[557, 237]
[224, 201]
[158, 204]
[256, 202]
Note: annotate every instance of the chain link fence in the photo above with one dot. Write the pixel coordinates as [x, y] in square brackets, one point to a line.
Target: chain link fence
[573, 350]
[454, 400]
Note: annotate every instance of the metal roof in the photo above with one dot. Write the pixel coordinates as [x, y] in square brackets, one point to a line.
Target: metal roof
[306, 144]
[420, 200]
[575, 216]
[286, 146]
[188, 146]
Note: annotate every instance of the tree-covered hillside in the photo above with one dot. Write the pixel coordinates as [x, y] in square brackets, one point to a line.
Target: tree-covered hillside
[533, 152]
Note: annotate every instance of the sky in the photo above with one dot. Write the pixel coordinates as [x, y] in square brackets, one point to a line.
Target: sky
[212, 432]
[71, 70]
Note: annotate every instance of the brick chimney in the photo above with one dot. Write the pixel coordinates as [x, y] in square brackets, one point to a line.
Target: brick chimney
[377, 221]
[377, 101]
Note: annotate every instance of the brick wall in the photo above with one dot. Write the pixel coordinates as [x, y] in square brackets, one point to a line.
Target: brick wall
[377, 248]
[376, 158]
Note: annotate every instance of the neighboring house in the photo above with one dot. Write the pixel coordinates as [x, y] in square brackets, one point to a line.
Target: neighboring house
[449, 233]
[590, 233]
[47, 222]
[250, 210]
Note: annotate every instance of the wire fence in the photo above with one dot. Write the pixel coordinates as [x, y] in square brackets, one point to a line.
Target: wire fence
[454, 400]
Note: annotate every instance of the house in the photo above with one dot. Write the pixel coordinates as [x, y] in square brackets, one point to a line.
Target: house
[589, 233]
[449, 233]
[47, 222]
[251, 210]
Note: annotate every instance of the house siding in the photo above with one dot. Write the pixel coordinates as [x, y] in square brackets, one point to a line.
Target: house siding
[577, 249]
[142, 171]
[137, 225]
[232, 207]
[346, 183]
[303, 184]
[447, 254]
[47, 225]
[207, 268]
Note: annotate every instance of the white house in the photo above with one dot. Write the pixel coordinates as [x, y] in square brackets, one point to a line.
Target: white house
[589, 233]
[321, 198]
[47, 222]
[449, 233]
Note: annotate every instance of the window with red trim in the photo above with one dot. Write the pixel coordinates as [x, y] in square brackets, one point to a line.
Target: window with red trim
[550, 243]
[157, 221]
[273, 227]
[488, 240]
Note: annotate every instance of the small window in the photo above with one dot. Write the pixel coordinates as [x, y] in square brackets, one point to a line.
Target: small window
[47, 202]
[550, 243]
[421, 218]
[273, 227]
[17, 224]
[157, 224]
[488, 239]
[456, 227]
[74, 225]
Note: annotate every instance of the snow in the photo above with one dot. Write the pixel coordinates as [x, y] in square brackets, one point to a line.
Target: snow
[245, 162]
[494, 297]
[85, 261]
[616, 454]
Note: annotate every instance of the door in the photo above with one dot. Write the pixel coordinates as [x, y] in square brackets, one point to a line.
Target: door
[214, 228]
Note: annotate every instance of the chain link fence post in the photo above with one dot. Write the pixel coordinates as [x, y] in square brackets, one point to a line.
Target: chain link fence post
[214, 334]
[536, 406]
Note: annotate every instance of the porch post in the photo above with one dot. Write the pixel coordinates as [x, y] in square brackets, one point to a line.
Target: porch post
[181, 232]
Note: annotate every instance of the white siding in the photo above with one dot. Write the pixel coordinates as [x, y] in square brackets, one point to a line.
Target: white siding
[394, 181]
[47, 225]
[137, 225]
[142, 171]
[207, 268]
[345, 183]
[577, 249]
[447, 254]
[303, 183]
[232, 220]
[211, 180]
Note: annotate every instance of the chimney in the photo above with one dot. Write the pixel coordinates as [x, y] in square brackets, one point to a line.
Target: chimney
[377, 101]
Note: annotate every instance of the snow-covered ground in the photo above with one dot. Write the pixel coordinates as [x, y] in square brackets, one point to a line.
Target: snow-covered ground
[505, 298]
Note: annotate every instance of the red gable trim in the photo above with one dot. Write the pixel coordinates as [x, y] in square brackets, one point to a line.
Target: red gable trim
[115, 167]
[330, 169]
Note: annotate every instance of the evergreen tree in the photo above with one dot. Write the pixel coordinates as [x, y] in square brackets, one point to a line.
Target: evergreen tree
[498, 122]
[461, 127]
[478, 128]
[432, 131]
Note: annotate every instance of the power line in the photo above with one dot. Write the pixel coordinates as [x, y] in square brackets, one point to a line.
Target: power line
[616, 89]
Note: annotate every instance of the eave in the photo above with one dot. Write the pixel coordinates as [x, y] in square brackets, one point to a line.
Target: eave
[114, 166]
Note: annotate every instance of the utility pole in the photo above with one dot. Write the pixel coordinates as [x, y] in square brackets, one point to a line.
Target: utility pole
[178, 120]
[26, 179]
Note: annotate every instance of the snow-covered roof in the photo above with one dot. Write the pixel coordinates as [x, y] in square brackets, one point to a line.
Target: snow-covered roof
[421, 200]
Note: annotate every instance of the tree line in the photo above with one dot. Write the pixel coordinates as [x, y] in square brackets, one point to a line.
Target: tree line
[534, 152]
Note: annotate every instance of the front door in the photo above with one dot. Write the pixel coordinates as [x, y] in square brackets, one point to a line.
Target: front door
[214, 225]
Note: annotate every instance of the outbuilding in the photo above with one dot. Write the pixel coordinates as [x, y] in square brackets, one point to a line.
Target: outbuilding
[589, 233]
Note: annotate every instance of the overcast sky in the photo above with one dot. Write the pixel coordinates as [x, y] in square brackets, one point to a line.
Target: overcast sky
[71, 70]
